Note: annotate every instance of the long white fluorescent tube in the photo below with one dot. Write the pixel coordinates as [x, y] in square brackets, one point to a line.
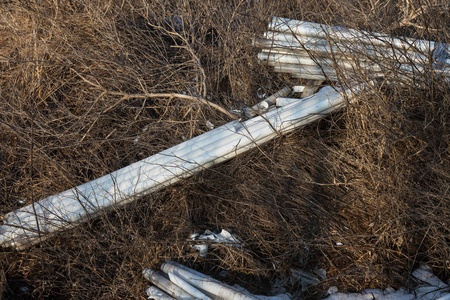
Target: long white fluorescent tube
[356, 50]
[308, 69]
[303, 59]
[319, 44]
[310, 29]
[35, 222]
[301, 69]
[313, 77]
[289, 37]
[273, 59]
[325, 71]
[279, 59]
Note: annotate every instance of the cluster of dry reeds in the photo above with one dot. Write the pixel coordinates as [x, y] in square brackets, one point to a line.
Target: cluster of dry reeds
[75, 104]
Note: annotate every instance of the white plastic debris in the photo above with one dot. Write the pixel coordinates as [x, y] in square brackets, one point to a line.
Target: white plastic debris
[213, 239]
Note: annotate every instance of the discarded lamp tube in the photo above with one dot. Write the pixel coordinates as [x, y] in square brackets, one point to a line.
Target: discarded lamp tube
[327, 72]
[370, 49]
[279, 59]
[352, 51]
[166, 285]
[172, 266]
[69, 208]
[289, 37]
[307, 70]
[309, 58]
[273, 57]
[303, 59]
[307, 43]
[187, 287]
[354, 36]
[206, 283]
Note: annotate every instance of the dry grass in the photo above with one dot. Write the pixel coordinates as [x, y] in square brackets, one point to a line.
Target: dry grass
[375, 179]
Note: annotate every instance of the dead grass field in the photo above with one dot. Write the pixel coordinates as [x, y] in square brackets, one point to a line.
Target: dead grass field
[375, 178]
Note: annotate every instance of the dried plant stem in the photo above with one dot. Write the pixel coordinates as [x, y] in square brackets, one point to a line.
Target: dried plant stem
[175, 95]
[126, 96]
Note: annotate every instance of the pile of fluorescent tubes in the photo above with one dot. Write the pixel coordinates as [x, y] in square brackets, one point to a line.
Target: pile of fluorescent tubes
[36, 222]
[187, 284]
[316, 51]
